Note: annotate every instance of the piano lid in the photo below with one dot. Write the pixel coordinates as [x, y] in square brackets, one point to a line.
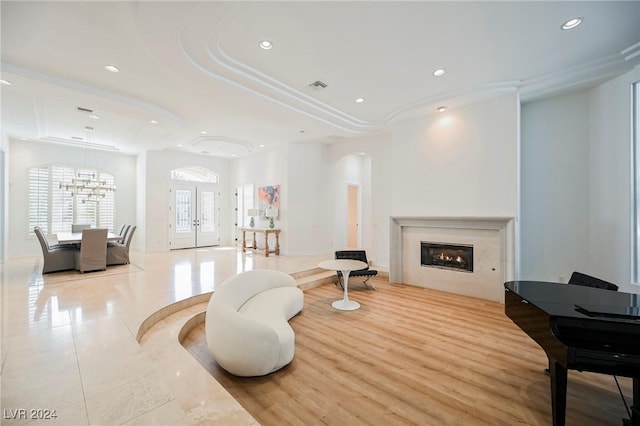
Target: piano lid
[559, 299]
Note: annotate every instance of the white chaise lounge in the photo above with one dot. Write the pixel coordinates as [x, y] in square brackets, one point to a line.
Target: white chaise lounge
[247, 325]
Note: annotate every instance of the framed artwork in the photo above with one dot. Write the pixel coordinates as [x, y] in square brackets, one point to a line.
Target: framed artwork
[268, 198]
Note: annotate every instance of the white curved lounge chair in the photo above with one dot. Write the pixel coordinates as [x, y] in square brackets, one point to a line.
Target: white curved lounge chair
[247, 325]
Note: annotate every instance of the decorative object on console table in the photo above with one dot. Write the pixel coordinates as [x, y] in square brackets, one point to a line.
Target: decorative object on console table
[252, 213]
[271, 214]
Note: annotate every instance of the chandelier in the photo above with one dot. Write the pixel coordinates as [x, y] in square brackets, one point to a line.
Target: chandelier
[86, 184]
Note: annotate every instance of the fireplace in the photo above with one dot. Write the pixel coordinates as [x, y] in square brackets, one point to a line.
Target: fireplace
[493, 241]
[457, 257]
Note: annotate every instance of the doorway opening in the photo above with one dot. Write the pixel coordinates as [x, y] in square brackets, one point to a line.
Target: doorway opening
[194, 213]
[353, 216]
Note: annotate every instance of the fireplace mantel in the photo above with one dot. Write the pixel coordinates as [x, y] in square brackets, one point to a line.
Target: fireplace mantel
[504, 226]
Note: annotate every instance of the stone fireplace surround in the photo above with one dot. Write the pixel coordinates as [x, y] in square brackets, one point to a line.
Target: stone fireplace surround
[493, 239]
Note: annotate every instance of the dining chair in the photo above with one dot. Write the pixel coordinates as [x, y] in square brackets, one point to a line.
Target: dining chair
[123, 233]
[56, 257]
[118, 253]
[92, 255]
[78, 227]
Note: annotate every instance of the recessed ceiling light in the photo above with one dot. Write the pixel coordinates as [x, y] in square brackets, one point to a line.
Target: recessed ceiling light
[203, 132]
[261, 145]
[179, 145]
[95, 117]
[442, 109]
[153, 122]
[265, 44]
[5, 82]
[571, 23]
[439, 72]
[111, 68]
[360, 100]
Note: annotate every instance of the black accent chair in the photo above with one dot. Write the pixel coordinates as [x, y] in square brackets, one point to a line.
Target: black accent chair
[360, 255]
[578, 278]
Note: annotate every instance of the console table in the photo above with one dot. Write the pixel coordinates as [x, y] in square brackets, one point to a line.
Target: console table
[266, 232]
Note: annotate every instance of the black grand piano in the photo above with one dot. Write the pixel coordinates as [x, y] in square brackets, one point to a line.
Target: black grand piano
[579, 328]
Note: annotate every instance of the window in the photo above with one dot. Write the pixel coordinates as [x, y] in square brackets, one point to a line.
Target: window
[54, 208]
[194, 174]
[244, 201]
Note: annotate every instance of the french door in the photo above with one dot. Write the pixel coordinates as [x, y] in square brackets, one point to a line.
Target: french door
[193, 216]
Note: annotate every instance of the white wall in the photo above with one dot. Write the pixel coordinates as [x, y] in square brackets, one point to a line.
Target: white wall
[463, 162]
[610, 179]
[554, 225]
[158, 180]
[139, 242]
[576, 184]
[3, 203]
[28, 154]
[309, 200]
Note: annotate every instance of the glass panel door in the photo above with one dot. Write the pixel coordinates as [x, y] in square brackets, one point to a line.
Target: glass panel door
[207, 222]
[182, 213]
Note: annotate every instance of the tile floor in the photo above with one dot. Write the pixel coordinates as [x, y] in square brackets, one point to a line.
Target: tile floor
[69, 345]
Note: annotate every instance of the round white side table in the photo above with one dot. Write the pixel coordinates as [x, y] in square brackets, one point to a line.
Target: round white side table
[345, 266]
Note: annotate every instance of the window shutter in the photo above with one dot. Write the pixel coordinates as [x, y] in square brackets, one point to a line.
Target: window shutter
[107, 205]
[61, 200]
[38, 198]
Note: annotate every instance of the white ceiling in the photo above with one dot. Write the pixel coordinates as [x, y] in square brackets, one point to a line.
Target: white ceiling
[196, 66]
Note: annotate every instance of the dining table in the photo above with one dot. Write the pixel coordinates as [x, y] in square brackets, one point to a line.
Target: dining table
[76, 237]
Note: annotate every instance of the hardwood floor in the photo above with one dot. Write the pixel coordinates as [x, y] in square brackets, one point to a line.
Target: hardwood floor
[412, 356]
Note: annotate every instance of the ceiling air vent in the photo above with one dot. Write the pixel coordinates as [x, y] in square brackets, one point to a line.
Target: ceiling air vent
[87, 110]
[318, 85]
